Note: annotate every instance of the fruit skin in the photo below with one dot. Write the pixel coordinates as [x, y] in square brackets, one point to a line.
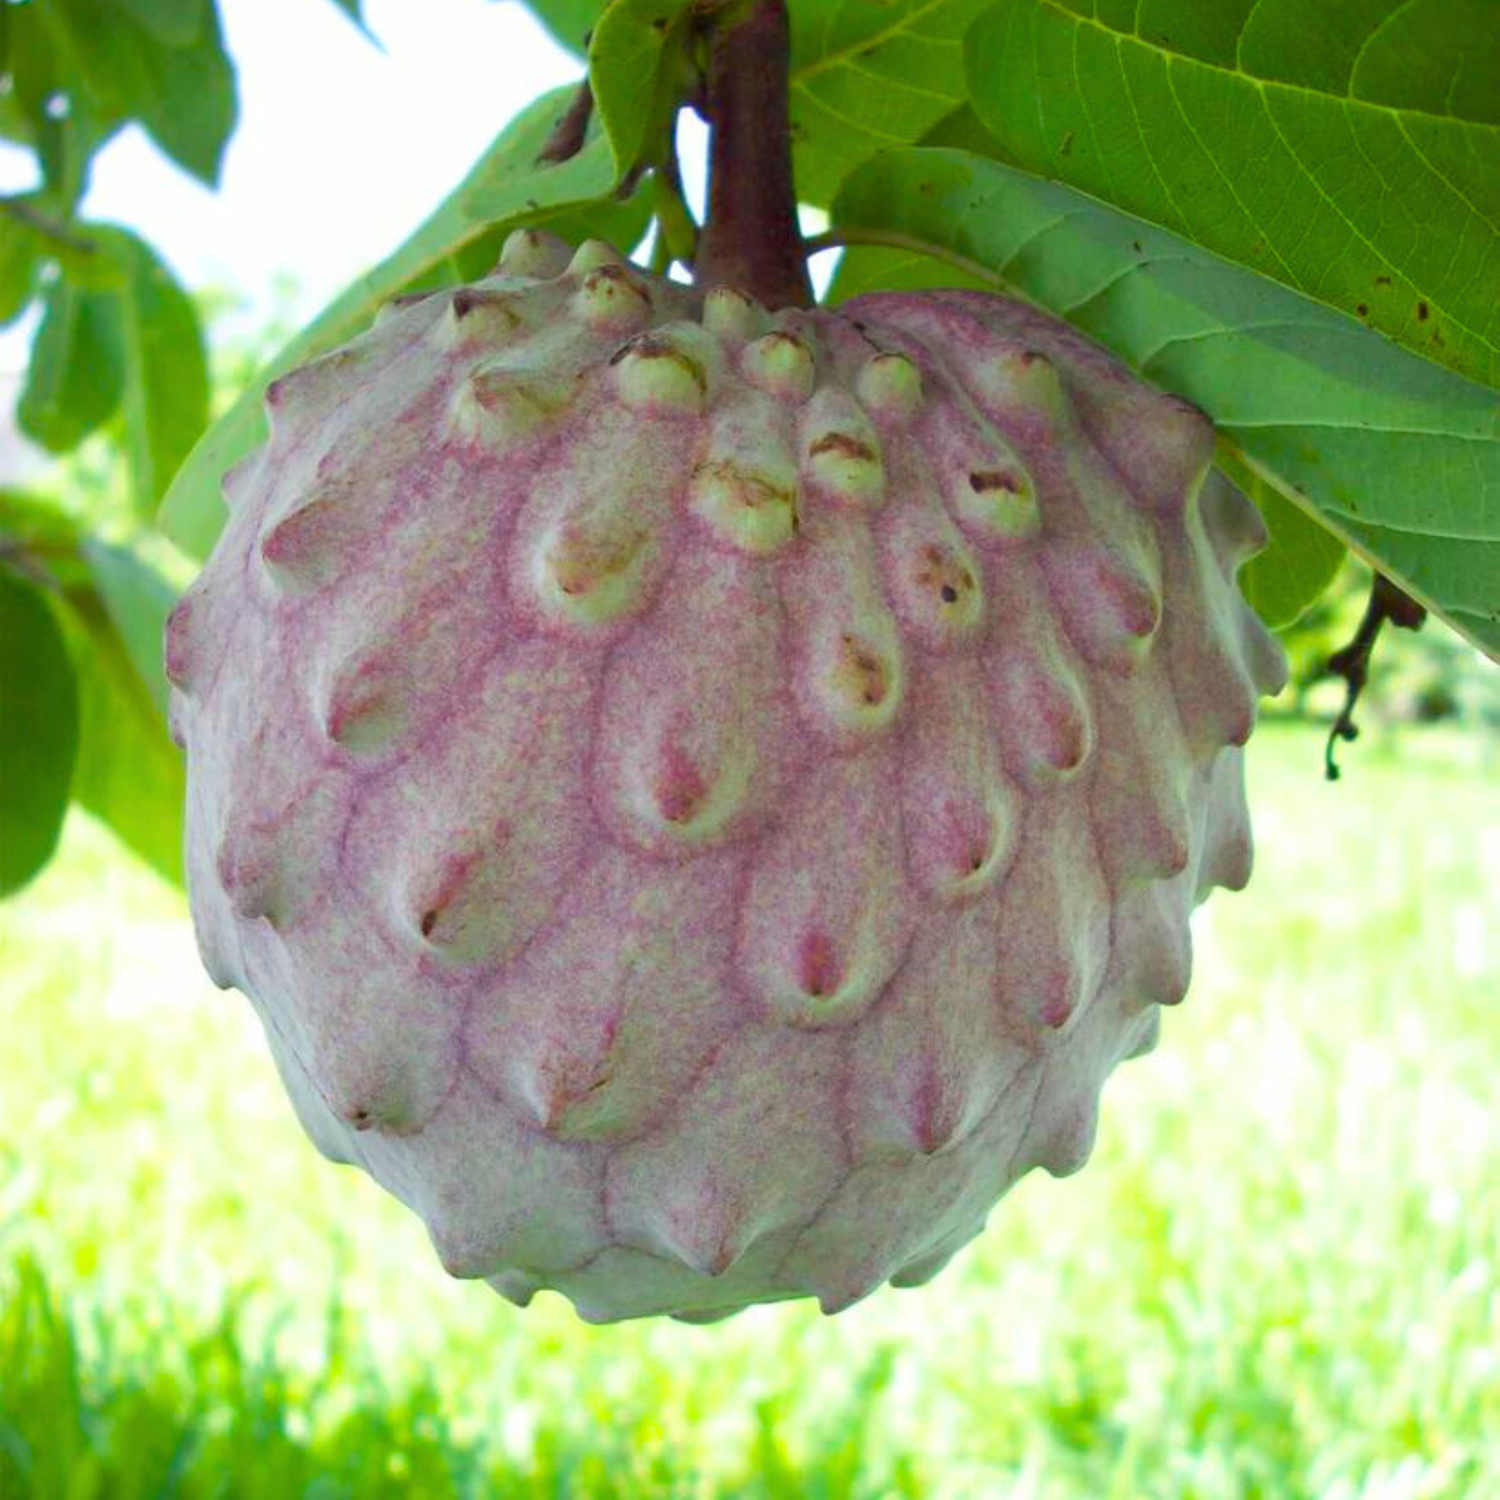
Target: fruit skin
[700, 800]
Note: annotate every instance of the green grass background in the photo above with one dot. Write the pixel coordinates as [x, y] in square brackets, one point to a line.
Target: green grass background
[1279, 1276]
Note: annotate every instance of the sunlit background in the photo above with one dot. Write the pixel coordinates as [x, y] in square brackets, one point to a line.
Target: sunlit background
[1279, 1276]
[341, 146]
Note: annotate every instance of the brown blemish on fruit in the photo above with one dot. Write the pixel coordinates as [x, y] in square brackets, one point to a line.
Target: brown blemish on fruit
[617, 275]
[937, 566]
[861, 671]
[753, 490]
[984, 480]
[649, 346]
[845, 445]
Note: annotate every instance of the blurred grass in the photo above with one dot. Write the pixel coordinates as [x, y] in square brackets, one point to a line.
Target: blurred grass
[1279, 1277]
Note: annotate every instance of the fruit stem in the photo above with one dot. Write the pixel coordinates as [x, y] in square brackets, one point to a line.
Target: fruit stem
[751, 240]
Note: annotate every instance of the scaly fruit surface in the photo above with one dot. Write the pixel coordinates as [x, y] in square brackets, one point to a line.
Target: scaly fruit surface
[701, 799]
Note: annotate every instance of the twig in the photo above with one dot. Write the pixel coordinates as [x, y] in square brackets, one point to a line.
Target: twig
[1352, 662]
[44, 224]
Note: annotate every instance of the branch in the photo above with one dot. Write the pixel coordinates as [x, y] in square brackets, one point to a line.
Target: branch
[751, 240]
[1352, 662]
[45, 225]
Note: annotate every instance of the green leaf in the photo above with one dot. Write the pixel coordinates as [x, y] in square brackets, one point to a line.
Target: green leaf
[177, 23]
[963, 131]
[183, 94]
[875, 268]
[138, 597]
[37, 527]
[1301, 560]
[509, 182]
[1398, 458]
[19, 257]
[40, 72]
[354, 10]
[112, 603]
[866, 77]
[1350, 150]
[636, 58]
[128, 773]
[505, 189]
[165, 363]
[76, 373]
[38, 730]
[569, 21]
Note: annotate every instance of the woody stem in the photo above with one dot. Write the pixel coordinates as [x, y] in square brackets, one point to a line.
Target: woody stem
[751, 240]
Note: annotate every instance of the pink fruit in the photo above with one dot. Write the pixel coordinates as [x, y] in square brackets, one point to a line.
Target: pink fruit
[699, 799]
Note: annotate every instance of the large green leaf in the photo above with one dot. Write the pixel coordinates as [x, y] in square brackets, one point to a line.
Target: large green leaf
[137, 596]
[1300, 561]
[1348, 148]
[128, 773]
[19, 257]
[569, 21]
[177, 23]
[865, 75]
[129, 340]
[635, 58]
[111, 601]
[1400, 459]
[76, 373]
[870, 76]
[505, 189]
[182, 92]
[166, 367]
[877, 268]
[39, 69]
[38, 729]
[511, 182]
